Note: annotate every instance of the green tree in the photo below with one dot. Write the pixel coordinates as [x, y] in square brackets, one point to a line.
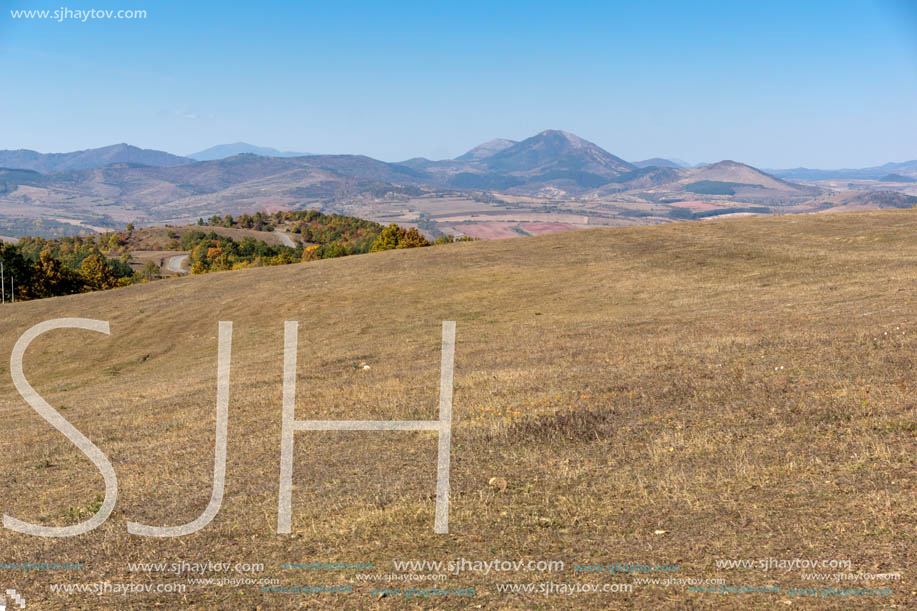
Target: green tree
[412, 238]
[221, 262]
[150, 271]
[394, 236]
[387, 240]
[52, 278]
[333, 250]
[19, 269]
[97, 273]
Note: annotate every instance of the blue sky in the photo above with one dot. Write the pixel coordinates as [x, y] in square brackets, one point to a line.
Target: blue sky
[775, 84]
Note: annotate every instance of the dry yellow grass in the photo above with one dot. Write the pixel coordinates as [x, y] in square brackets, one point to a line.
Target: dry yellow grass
[158, 238]
[746, 386]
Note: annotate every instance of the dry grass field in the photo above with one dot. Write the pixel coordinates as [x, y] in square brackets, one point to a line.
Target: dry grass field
[139, 258]
[156, 238]
[671, 395]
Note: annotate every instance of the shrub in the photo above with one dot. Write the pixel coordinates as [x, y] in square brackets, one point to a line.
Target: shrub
[393, 237]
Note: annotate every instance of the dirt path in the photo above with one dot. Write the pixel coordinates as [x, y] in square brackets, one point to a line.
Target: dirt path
[175, 264]
[287, 240]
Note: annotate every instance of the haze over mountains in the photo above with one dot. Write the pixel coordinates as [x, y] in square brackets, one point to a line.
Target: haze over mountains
[222, 151]
[906, 169]
[45, 163]
[551, 143]
[551, 181]
[660, 163]
[24, 159]
[487, 149]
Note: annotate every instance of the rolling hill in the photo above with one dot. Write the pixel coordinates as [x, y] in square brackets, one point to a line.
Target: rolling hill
[722, 181]
[734, 172]
[91, 158]
[114, 195]
[906, 168]
[619, 394]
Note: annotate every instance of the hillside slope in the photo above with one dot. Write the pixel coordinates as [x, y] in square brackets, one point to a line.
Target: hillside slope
[731, 171]
[675, 394]
[487, 149]
[25, 159]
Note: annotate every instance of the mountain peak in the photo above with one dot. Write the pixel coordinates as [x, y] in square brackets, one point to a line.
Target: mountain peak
[561, 135]
[559, 132]
[558, 155]
[489, 148]
[121, 147]
[659, 162]
[222, 151]
[728, 163]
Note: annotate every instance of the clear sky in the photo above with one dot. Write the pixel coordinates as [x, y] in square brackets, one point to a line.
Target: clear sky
[774, 84]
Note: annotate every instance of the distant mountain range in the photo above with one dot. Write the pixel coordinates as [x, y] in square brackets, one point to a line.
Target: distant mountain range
[552, 164]
[659, 162]
[559, 153]
[906, 169]
[553, 172]
[45, 163]
[222, 151]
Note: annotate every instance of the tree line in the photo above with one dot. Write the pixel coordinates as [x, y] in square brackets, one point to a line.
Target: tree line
[35, 268]
[328, 236]
[42, 267]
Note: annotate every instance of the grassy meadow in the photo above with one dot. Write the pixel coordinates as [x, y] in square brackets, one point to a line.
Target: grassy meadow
[673, 395]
